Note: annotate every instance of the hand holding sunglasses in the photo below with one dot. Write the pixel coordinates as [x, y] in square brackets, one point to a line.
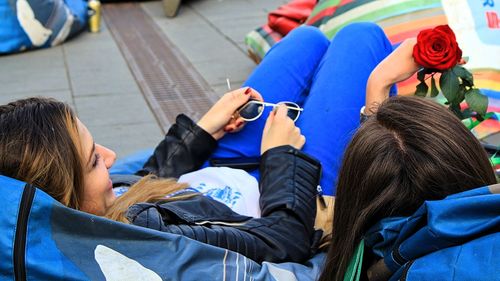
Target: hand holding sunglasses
[253, 109]
[220, 118]
[281, 130]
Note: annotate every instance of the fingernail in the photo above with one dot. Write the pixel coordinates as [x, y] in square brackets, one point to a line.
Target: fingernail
[239, 124]
[228, 130]
[248, 90]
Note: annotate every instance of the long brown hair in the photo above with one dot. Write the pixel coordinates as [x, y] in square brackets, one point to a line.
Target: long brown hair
[410, 151]
[40, 144]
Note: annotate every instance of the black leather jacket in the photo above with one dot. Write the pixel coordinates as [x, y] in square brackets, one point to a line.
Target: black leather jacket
[288, 183]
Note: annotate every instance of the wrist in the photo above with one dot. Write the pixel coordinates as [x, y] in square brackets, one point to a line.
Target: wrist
[377, 91]
[205, 127]
[363, 116]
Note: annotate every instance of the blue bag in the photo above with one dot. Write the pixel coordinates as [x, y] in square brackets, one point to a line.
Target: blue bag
[29, 24]
[44, 240]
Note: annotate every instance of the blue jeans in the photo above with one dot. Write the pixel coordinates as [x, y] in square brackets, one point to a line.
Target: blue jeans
[328, 79]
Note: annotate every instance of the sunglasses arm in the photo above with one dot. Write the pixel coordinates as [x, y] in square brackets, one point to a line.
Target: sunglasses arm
[276, 105]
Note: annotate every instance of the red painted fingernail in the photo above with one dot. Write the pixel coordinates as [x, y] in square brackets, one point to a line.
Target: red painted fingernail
[239, 124]
[248, 90]
[228, 130]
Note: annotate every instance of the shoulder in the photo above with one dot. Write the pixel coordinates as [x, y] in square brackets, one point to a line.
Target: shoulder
[192, 210]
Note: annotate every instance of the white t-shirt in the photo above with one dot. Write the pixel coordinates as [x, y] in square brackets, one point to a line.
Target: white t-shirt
[233, 187]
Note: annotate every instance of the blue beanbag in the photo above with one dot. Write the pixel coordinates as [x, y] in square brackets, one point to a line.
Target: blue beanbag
[30, 24]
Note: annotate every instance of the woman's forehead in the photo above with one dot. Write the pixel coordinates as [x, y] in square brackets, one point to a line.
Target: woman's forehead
[85, 137]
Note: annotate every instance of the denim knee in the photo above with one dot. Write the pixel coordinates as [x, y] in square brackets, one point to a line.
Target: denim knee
[309, 35]
[360, 32]
[360, 29]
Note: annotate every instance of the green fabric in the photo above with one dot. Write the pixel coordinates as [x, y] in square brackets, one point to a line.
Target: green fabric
[471, 123]
[353, 272]
[495, 160]
[325, 4]
[257, 44]
[382, 12]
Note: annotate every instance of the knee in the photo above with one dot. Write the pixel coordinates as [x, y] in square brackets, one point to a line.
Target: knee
[310, 35]
[360, 31]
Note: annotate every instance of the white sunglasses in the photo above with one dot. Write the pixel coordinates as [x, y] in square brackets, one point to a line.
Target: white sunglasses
[253, 109]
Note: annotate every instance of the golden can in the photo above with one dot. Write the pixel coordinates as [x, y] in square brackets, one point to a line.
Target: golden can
[95, 15]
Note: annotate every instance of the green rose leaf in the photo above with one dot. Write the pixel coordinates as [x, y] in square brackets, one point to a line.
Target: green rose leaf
[466, 76]
[455, 108]
[477, 101]
[422, 89]
[434, 90]
[467, 113]
[449, 84]
[461, 93]
[421, 75]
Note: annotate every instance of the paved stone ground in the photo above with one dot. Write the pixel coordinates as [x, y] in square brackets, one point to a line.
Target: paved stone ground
[90, 73]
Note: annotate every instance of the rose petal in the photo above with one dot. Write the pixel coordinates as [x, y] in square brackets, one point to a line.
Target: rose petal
[447, 30]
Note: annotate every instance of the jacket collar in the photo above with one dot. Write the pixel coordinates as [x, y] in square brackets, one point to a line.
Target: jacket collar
[436, 225]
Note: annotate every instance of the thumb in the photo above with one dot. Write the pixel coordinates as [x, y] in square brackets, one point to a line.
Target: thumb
[281, 111]
[269, 122]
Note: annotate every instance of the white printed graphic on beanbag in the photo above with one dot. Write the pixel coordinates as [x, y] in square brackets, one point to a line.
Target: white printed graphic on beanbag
[117, 267]
[281, 274]
[37, 33]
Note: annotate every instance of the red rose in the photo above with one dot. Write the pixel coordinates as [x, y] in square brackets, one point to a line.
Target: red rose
[437, 48]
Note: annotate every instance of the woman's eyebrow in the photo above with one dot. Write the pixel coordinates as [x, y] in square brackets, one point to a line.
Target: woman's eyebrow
[91, 153]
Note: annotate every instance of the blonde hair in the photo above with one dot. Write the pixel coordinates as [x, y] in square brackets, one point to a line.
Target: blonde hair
[149, 189]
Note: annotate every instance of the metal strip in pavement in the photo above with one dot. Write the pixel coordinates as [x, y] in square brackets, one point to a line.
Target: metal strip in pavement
[167, 79]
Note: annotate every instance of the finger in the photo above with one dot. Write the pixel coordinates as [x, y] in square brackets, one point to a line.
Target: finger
[269, 122]
[239, 97]
[255, 95]
[302, 141]
[239, 120]
[235, 120]
[235, 116]
[230, 128]
[239, 127]
[231, 123]
[281, 111]
[296, 130]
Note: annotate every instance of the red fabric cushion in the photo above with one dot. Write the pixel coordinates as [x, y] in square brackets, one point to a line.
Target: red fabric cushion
[290, 16]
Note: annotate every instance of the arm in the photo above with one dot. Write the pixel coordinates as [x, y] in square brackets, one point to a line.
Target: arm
[288, 201]
[184, 149]
[396, 67]
[188, 145]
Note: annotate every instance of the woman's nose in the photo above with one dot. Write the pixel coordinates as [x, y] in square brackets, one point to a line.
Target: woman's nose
[108, 155]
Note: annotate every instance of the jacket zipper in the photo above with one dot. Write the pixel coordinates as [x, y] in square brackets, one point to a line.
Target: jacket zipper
[319, 189]
[404, 275]
[396, 255]
[20, 240]
[320, 196]
[222, 223]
